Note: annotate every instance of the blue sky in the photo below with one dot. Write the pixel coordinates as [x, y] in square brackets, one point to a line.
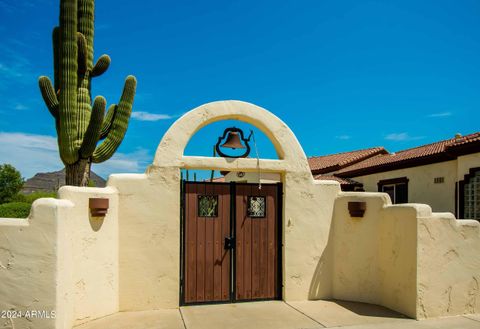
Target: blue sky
[343, 75]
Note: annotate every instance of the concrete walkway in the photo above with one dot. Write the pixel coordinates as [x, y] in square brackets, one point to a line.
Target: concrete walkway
[277, 315]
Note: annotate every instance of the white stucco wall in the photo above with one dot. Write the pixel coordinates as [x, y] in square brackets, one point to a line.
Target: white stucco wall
[253, 177]
[94, 253]
[149, 239]
[448, 266]
[35, 266]
[421, 186]
[60, 259]
[374, 256]
[465, 163]
[405, 257]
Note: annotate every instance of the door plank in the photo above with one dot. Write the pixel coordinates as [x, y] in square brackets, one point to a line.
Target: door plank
[226, 254]
[255, 223]
[240, 247]
[263, 250]
[200, 250]
[209, 261]
[218, 244]
[191, 242]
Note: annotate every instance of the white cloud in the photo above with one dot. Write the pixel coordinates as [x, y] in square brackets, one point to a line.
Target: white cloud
[31, 153]
[146, 116]
[135, 162]
[440, 115]
[20, 107]
[343, 137]
[400, 137]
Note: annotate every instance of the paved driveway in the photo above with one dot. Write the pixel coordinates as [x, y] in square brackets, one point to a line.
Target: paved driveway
[277, 315]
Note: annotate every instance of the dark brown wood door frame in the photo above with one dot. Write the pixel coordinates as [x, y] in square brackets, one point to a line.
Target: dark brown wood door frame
[235, 296]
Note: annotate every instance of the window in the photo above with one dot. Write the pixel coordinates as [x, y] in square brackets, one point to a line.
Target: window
[396, 188]
[471, 196]
[207, 206]
[256, 206]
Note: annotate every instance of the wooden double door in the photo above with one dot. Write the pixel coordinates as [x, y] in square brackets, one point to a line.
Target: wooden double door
[231, 242]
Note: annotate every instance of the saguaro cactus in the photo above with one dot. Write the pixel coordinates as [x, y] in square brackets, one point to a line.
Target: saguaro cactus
[80, 126]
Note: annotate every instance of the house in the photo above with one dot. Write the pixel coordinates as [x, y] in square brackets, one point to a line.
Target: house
[444, 174]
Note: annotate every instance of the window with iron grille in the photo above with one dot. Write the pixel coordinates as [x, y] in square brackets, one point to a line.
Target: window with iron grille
[256, 206]
[472, 197]
[207, 206]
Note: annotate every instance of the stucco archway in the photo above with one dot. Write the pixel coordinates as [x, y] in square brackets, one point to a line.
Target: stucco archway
[170, 150]
[150, 216]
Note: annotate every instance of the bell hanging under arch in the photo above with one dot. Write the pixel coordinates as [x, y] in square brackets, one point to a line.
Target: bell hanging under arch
[233, 141]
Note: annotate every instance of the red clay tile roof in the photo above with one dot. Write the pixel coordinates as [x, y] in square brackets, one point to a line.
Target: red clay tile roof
[342, 181]
[333, 162]
[220, 179]
[439, 151]
[466, 139]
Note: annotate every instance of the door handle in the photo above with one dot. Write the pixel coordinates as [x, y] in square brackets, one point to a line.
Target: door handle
[229, 243]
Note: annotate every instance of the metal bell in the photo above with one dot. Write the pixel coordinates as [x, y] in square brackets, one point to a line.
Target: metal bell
[233, 141]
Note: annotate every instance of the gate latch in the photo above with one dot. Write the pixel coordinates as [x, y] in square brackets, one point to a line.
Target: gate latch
[229, 242]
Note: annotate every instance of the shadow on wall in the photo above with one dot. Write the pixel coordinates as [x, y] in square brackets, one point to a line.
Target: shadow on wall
[96, 223]
[403, 257]
[369, 259]
[321, 285]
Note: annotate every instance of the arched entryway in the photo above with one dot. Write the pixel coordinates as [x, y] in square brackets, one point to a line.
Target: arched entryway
[254, 265]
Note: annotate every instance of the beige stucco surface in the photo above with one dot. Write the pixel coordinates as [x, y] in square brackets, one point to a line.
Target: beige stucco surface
[87, 268]
[149, 239]
[405, 257]
[35, 265]
[94, 253]
[253, 177]
[448, 266]
[374, 257]
[421, 186]
[60, 259]
[467, 162]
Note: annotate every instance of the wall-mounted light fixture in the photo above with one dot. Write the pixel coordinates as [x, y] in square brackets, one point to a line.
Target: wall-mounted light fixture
[357, 208]
[98, 206]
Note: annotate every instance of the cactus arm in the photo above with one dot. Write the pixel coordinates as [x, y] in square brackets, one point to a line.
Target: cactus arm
[101, 66]
[56, 57]
[120, 123]
[85, 26]
[82, 56]
[92, 134]
[108, 121]
[49, 96]
[68, 127]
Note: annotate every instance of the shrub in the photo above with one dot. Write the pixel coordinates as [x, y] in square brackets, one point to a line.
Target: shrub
[11, 182]
[15, 210]
[29, 198]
